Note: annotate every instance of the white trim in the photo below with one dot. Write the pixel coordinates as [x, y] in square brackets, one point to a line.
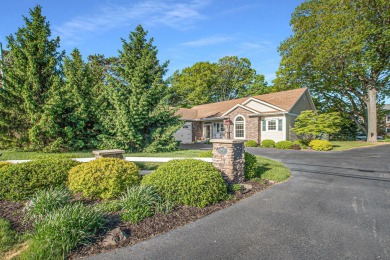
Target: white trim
[238, 105]
[263, 103]
[234, 127]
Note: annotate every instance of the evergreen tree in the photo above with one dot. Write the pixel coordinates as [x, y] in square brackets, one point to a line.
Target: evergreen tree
[32, 74]
[138, 94]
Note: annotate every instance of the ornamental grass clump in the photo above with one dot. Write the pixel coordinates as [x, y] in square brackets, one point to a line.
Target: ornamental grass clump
[20, 181]
[104, 178]
[44, 202]
[140, 202]
[188, 181]
[62, 230]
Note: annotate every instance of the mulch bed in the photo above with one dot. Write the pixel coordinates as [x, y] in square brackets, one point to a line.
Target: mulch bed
[162, 223]
[146, 229]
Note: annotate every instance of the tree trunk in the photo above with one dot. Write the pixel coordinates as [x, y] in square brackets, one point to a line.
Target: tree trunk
[371, 115]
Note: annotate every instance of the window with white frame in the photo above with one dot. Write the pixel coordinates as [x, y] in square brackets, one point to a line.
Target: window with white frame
[272, 124]
[388, 130]
[239, 127]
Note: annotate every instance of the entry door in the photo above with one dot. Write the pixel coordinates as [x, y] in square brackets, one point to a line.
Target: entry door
[207, 131]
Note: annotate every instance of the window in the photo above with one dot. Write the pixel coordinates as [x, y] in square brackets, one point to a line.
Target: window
[388, 130]
[271, 125]
[239, 127]
[275, 124]
[388, 118]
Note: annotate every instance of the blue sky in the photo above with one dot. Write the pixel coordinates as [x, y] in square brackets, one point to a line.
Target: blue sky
[185, 32]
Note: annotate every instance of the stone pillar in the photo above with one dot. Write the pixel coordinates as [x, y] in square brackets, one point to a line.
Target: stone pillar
[229, 158]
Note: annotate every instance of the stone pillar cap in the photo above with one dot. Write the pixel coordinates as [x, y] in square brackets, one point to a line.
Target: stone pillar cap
[228, 141]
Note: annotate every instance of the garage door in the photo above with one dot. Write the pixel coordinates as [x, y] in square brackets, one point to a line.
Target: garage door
[184, 134]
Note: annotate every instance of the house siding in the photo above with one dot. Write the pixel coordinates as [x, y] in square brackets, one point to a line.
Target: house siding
[252, 124]
[290, 121]
[303, 104]
[274, 135]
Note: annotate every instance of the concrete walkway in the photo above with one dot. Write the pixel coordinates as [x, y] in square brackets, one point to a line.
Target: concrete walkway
[335, 206]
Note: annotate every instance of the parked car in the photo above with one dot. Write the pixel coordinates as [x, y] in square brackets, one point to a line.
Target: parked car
[363, 137]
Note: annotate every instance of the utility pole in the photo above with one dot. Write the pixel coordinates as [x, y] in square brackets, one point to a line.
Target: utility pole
[1, 65]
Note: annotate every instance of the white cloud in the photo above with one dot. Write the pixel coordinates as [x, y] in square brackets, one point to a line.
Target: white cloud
[176, 15]
[208, 41]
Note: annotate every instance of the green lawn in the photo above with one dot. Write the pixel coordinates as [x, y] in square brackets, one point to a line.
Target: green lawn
[346, 145]
[16, 155]
[272, 170]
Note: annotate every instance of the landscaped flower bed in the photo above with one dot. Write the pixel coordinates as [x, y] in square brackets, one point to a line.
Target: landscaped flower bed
[79, 225]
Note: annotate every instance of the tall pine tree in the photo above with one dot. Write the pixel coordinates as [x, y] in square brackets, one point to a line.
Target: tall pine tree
[31, 75]
[140, 118]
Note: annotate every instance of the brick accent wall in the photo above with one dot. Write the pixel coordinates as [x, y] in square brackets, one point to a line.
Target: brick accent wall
[252, 124]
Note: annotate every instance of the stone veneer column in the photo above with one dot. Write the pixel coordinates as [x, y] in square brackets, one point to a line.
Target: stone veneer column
[229, 158]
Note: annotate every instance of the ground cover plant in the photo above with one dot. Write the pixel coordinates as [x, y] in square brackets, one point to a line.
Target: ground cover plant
[20, 181]
[103, 178]
[65, 228]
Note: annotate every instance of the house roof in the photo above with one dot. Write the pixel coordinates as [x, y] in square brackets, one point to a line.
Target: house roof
[284, 100]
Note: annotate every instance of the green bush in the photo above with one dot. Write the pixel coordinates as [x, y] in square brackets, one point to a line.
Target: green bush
[8, 237]
[188, 181]
[46, 201]
[140, 202]
[4, 165]
[285, 145]
[250, 166]
[321, 145]
[301, 143]
[296, 147]
[206, 154]
[251, 143]
[104, 178]
[267, 143]
[20, 181]
[62, 230]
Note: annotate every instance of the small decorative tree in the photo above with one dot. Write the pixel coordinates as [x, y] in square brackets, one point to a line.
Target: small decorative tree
[312, 125]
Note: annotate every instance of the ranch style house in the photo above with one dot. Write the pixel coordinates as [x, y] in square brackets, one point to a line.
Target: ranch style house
[269, 116]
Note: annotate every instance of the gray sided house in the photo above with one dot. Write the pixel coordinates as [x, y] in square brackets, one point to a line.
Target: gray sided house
[269, 116]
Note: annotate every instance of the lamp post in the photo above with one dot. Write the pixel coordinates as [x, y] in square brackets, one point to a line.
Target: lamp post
[227, 123]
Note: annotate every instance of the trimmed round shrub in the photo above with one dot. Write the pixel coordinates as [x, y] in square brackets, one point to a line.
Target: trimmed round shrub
[250, 166]
[285, 145]
[206, 154]
[4, 165]
[20, 181]
[104, 178]
[251, 143]
[267, 143]
[321, 145]
[188, 181]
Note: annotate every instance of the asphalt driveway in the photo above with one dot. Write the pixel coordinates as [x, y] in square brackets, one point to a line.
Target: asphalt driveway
[335, 206]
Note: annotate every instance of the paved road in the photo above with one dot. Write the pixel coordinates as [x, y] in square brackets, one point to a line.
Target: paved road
[335, 206]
